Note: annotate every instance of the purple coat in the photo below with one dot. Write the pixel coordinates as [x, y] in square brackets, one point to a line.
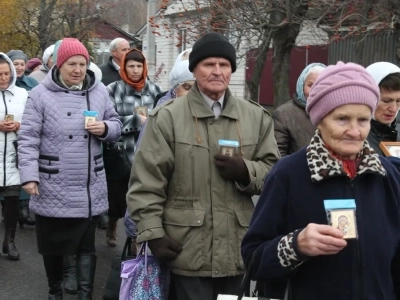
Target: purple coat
[56, 150]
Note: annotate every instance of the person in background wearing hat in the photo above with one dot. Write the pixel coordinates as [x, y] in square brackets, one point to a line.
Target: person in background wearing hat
[61, 164]
[33, 65]
[191, 203]
[41, 73]
[111, 69]
[102, 218]
[14, 100]
[180, 78]
[293, 128]
[128, 95]
[384, 127]
[290, 237]
[19, 60]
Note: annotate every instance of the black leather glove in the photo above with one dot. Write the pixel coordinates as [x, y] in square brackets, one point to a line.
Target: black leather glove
[164, 249]
[232, 168]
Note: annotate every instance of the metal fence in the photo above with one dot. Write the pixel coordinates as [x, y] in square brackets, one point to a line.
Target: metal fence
[377, 47]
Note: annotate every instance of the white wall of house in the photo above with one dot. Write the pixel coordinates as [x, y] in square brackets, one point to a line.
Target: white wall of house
[311, 35]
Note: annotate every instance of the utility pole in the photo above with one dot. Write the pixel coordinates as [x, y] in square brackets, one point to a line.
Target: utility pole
[151, 39]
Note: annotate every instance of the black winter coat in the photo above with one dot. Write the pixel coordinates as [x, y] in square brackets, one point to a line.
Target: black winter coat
[110, 74]
[382, 133]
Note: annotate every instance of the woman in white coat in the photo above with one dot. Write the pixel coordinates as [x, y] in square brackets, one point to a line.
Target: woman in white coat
[12, 105]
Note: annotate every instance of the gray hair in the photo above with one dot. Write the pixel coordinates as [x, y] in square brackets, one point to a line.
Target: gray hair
[114, 43]
[315, 69]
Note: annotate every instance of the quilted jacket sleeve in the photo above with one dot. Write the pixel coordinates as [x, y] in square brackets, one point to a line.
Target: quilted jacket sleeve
[111, 119]
[29, 140]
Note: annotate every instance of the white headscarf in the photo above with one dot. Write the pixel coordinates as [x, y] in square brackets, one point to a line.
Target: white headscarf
[380, 70]
[180, 71]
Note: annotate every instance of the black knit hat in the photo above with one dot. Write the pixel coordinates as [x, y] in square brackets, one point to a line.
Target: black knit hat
[212, 44]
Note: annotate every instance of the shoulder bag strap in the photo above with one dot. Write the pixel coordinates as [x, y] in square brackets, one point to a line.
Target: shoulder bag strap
[288, 291]
[245, 286]
[126, 251]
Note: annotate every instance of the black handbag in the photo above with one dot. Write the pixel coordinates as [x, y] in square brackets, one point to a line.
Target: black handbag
[258, 292]
[116, 161]
[111, 291]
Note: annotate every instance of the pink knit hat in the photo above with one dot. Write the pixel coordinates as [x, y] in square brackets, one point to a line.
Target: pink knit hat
[68, 48]
[339, 85]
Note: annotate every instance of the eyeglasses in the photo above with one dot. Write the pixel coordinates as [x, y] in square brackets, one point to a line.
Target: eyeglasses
[187, 86]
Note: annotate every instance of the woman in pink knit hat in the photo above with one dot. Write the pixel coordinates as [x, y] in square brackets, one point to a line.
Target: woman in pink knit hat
[293, 244]
[61, 164]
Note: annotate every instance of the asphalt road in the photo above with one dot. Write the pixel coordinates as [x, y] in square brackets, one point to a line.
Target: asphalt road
[26, 279]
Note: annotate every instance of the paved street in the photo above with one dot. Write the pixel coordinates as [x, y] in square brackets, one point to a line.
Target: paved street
[26, 279]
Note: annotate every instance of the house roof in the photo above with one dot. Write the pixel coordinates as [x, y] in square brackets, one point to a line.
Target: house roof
[107, 31]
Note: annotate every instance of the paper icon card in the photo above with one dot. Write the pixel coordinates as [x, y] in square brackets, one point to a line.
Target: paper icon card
[227, 147]
[142, 110]
[9, 118]
[90, 117]
[341, 214]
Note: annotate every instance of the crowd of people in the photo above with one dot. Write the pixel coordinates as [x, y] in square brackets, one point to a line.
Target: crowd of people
[84, 146]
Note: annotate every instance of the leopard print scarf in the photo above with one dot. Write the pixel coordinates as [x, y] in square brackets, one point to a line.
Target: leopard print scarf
[323, 165]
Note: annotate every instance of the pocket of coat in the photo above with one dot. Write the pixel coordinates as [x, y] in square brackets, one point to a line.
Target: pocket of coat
[48, 159]
[49, 171]
[185, 226]
[98, 169]
[248, 147]
[243, 218]
[97, 158]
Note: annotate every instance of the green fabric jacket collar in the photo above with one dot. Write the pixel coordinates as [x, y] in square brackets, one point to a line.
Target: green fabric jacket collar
[199, 108]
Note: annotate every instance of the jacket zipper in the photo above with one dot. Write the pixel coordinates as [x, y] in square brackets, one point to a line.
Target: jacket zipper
[5, 144]
[89, 163]
[359, 286]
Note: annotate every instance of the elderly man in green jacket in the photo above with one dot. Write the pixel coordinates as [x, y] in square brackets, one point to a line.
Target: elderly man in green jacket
[190, 200]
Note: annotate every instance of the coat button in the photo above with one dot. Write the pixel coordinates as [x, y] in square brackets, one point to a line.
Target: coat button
[210, 122]
[126, 130]
[198, 221]
[130, 129]
[85, 136]
[216, 272]
[70, 137]
[68, 114]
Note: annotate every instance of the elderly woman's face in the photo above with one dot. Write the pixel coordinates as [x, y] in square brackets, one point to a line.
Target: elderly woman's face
[345, 129]
[183, 88]
[20, 67]
[308, 83]
[73, 71]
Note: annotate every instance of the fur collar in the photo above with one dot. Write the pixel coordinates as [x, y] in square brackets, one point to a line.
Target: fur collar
[323, 165]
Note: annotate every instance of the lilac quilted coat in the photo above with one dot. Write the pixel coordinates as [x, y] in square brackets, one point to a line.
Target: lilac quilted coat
[56, 150]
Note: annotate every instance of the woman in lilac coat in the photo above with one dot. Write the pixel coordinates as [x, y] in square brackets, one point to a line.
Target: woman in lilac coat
[61, 164]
